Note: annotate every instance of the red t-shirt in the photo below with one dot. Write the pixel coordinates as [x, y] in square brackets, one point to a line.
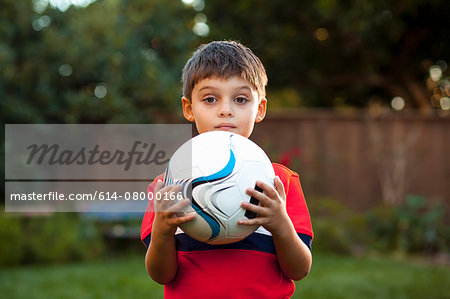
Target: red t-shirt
[245, 269]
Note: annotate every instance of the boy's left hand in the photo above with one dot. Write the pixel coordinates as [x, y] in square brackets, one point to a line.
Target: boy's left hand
[272, 214]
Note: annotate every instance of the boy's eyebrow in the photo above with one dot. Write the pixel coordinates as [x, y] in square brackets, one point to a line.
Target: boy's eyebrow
[244, 87]
[214, 88]
[207, 87]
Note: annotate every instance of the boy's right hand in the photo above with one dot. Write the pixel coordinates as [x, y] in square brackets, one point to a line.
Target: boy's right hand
[166, 221]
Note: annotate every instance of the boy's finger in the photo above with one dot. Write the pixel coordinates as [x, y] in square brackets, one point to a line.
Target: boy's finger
[178, 205]
[182, 219]
[249, 222]
[159, 185]
[279, 187]
[263, 198]
[260, 211]
[167, 197]
[268, 189]
[170, 188]
[161, 205]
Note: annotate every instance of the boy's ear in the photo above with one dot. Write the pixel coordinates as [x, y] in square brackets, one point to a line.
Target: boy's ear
[187, 109]
[262, 107]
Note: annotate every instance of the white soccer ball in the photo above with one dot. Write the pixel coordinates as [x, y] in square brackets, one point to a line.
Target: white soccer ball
[222, 167]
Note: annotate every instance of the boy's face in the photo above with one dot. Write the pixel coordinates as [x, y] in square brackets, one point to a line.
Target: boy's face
[219, 104]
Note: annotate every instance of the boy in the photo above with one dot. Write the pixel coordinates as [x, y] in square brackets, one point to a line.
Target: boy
[224, 89]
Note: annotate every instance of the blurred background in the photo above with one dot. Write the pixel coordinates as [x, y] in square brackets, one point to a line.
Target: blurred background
[358, 105]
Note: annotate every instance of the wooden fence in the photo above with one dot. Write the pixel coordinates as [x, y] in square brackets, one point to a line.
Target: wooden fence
[361, 159]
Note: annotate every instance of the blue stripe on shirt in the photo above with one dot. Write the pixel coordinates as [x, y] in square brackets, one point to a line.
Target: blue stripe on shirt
[256, 241]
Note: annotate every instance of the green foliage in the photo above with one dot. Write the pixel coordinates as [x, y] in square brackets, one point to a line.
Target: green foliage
[286, 97]
[321, 53]
[12, 240]
[111, 62]
[47, 239]
[50, 73]
[383, 223]
[416, 226]
[336, 228]
[61, 238]
[349, 52]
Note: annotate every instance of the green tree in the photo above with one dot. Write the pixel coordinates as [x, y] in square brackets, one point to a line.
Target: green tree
[334, 53]
[114, 61]
[111, 62]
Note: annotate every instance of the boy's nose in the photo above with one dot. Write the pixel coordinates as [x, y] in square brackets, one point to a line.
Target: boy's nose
[225, 110]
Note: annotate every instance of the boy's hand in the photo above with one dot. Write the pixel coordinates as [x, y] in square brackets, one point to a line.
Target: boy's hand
[272, 214]
[293, 255]
[166, 221]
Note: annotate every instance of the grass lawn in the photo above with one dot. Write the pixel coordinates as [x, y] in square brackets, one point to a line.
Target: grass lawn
[331, 277]
[346, 277]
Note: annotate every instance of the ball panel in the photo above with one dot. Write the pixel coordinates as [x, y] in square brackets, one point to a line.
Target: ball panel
[197, 229]
[204, 228]
[225, 199]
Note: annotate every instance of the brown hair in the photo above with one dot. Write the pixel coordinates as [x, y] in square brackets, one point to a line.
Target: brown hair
[224, 59]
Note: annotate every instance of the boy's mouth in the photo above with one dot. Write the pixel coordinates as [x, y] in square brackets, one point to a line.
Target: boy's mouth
[225, 126]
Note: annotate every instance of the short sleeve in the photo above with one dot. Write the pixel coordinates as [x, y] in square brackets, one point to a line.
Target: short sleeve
[147, 221]
[296, 206]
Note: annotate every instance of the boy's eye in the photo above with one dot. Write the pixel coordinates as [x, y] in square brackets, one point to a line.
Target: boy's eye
[209, 100]
[241, 100]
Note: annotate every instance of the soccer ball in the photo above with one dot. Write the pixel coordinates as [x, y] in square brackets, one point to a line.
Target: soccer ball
[222, 167]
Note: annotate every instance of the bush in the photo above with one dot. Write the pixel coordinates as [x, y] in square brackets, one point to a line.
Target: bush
[12, 240]
[336, 228]
[61, 237]
[416, 226]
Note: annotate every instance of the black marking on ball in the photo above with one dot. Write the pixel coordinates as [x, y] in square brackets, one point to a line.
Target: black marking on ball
[251, 214]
